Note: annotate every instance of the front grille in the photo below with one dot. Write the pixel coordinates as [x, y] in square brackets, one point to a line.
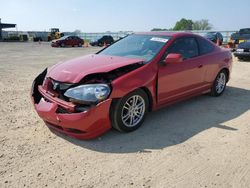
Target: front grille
[76, 131]
[55, 126]
[61, 110]
[69, 130]
[59, 88]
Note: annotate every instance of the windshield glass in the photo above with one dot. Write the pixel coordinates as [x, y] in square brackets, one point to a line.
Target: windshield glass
[211, 34]
[137, 46]
[64, 37]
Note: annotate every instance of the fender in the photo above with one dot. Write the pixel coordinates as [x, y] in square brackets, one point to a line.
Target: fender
[145, 76]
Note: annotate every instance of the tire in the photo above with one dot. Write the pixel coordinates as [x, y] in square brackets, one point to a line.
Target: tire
[241, 58]
[219, 84]
[80, 45]
[62, 45]
[122, 117]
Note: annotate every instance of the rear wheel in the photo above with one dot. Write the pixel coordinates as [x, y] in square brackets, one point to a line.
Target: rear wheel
[219, 84]
[129, 112]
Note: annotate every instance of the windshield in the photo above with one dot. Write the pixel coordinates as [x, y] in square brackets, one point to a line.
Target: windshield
[211, 34]
[137, 46]
[64, 37]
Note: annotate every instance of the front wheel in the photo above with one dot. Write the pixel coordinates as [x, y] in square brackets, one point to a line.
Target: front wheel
[219, 84]
[129, 112]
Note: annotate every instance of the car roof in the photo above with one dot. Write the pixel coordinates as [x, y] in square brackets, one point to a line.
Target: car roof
[170, 34]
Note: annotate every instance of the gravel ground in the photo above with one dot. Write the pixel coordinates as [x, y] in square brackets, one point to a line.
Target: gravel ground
[202, 142]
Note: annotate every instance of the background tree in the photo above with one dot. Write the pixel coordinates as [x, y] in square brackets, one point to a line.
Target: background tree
[183, 25]
[202, 25]
[158, 29]
[187, 24]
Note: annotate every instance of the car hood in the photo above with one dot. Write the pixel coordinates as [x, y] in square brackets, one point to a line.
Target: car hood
[244, 45]
[74, 70]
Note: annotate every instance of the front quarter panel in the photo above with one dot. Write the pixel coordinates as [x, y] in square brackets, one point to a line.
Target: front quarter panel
[145, 76]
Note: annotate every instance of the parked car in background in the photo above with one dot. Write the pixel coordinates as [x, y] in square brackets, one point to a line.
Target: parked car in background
[215, 37]
[241, 36]
[243, 50]
[236, 38]
[67, 41]
[106, 39]
[119, 85]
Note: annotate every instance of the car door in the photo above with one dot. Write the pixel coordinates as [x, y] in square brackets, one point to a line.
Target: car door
[68, 41]
[177, 80]
[78, 41]
[75, 41]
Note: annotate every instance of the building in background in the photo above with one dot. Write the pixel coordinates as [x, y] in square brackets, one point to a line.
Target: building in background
[5, 26]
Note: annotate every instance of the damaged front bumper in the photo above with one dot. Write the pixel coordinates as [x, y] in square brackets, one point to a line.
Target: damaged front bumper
[61, 116]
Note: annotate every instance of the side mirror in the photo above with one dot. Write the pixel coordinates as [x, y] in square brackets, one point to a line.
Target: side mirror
[173, 58]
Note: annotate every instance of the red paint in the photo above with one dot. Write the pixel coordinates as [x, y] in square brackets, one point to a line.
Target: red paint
[67, 42]
[173, 58]
[167, 83]
[74, 70]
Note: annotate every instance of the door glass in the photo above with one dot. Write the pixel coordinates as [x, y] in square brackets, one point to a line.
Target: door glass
[187, 47]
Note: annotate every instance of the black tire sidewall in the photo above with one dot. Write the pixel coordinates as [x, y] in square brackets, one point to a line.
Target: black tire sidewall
[213, 91]
[117, 110]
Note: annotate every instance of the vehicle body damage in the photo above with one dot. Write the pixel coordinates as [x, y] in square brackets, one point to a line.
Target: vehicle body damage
[55, 108]
[116, 80]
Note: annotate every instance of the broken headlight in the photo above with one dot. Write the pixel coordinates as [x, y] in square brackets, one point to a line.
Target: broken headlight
[89, 93]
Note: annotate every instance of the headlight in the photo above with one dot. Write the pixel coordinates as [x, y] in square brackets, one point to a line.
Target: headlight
[88, 93]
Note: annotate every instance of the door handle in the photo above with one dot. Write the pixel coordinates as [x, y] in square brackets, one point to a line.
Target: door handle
[200, 66]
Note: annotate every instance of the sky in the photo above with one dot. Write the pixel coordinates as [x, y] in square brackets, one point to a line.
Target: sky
[121, 15]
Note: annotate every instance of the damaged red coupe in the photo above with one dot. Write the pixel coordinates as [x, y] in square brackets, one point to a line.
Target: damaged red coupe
[119, 85]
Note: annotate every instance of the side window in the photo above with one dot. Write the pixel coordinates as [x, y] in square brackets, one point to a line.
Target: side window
[205, 46]
[186, 46]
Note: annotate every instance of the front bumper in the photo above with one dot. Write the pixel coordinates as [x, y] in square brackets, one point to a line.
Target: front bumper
[81, 125]
[242, 54]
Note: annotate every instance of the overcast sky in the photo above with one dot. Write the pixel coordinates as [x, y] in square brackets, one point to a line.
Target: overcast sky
[121, 15]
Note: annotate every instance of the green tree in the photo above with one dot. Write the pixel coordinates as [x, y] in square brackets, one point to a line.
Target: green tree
[158, 29]
[202, 25]
[183, 25]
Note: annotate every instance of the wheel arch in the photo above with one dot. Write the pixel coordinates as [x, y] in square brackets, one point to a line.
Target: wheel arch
[144, 89]
[150, 97]
[227, 72]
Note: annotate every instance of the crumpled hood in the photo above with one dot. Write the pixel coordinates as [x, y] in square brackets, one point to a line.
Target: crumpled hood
[74, 70]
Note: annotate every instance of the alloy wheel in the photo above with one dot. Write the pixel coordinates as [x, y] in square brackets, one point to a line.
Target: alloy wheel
[133, 111]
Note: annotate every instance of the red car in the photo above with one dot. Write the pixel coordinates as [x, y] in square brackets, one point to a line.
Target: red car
[120, 84]
[68, 41]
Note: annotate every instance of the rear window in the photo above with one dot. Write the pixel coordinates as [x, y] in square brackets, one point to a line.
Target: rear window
[205, 46]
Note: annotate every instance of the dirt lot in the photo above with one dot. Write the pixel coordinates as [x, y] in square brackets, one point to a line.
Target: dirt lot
[203, 142]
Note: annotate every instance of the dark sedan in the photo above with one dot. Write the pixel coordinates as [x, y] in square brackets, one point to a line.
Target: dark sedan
[67, 41]
[243, 50]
